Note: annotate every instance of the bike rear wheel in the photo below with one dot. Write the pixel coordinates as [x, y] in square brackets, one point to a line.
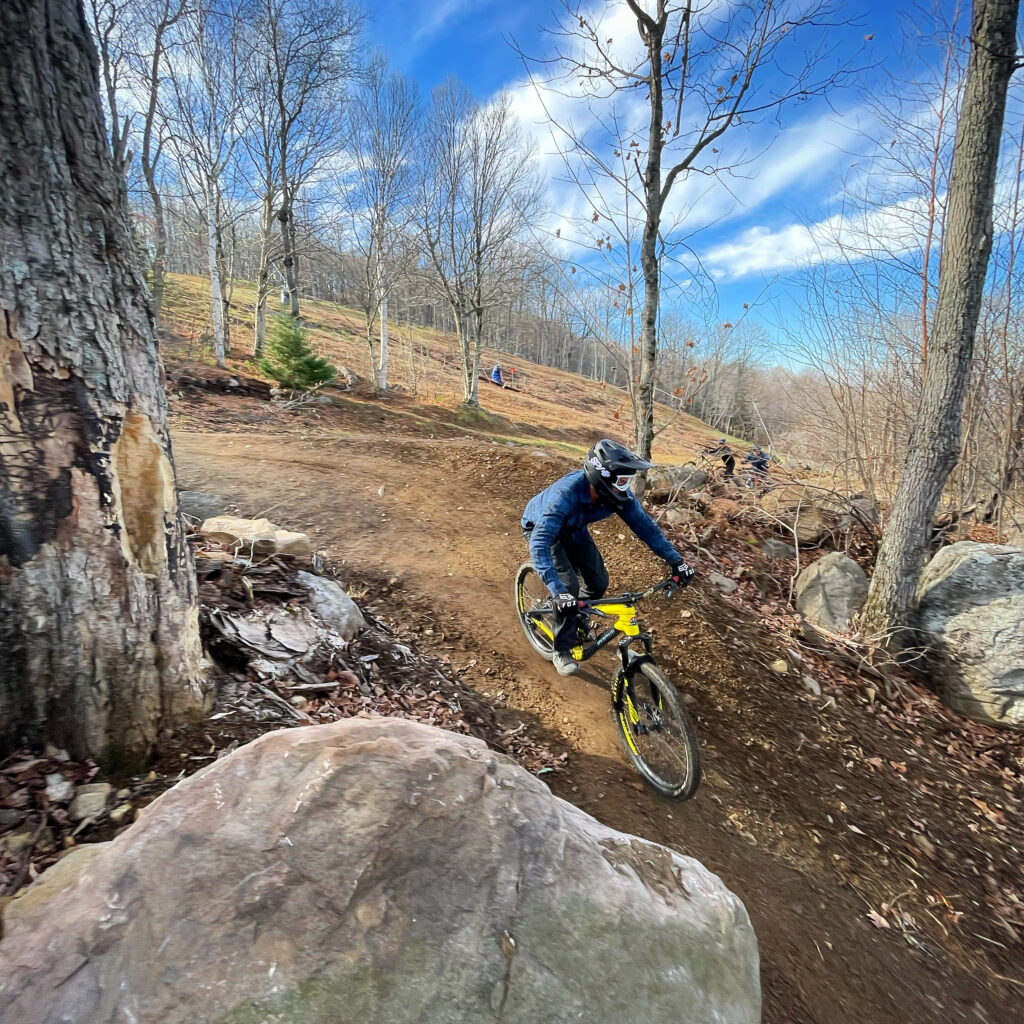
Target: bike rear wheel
[657, 731]
[530, 592]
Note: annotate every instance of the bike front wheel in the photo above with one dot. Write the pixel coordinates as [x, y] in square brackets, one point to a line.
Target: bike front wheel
[529, 593]
[657, 731]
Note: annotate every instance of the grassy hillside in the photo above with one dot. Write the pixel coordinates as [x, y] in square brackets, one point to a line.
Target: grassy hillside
[553, 405]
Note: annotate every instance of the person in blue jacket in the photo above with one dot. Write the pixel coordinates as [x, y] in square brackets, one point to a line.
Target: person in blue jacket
[759, 462]
[496, 375]
[563, 552]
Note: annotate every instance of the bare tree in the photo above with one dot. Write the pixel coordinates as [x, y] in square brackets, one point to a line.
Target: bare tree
[384, 133]
[478, 193]
[98, 615]
[306, 55]
[702, 70]
[110, 24]
[204, 116]
[967, 242]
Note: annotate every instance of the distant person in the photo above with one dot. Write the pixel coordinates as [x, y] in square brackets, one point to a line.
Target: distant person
[721, 450]
[496, 375]
[759, 461]
[564, 554]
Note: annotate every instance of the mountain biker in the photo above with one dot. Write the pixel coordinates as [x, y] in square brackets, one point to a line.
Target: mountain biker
[564, 554]
[722, 451]
[496, 374]
[758, 460]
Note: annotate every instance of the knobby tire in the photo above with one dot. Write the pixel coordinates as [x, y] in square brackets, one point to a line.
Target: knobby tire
[671, 732]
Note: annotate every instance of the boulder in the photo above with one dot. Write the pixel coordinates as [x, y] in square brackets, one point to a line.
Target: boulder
[830, 591]
[861, 509]
[725, 507]
[724, 583]
[665, 481]
[681, 516]
[382, 871]
[256, 537]
[200, 505]
[774, 548]
[970, 609]
[288, 543]
[794, 509]
[90, 800]
[332, 604]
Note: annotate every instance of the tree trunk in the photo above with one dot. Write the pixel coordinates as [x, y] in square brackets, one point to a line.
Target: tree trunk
[98, 615]
[652, 36]
[263, 279]
[934, 445]
[158, 268]
[382, 368]
[216, 299]
[291, 259]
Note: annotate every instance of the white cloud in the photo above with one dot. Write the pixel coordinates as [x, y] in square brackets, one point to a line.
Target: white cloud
[440, 14]
[892, 230]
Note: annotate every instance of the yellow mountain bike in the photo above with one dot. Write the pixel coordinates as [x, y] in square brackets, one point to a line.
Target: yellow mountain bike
[655, 727]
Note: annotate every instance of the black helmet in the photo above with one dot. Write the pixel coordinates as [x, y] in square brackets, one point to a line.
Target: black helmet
[610, 467]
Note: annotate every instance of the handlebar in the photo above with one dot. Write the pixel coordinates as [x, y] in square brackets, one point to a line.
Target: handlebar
[669, 585]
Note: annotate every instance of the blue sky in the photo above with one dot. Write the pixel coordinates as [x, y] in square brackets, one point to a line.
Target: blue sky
[757, 234]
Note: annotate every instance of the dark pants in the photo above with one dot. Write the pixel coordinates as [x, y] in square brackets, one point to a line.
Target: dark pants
[730, 466]
[581, 568]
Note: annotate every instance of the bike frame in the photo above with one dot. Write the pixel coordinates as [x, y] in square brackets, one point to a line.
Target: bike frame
[623, 610]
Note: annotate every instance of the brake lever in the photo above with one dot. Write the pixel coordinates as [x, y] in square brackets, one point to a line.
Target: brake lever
[670, 591]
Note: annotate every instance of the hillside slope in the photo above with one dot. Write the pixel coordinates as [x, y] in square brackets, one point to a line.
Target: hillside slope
[424, 370]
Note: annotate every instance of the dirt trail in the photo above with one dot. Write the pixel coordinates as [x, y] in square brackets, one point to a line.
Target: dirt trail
[431, 527]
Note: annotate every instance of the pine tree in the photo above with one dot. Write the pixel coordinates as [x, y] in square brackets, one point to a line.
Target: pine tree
[289, 359]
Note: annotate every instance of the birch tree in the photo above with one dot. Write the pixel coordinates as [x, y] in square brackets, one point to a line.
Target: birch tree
[204, 119]
[306, 55]
[479, 192]
[383, 135]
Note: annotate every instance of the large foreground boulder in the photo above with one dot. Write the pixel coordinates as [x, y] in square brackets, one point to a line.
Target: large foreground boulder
[830, 591]
[971, 613]
[384, 872]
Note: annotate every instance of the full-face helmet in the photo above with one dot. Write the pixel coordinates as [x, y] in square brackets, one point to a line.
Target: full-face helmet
[610, 468]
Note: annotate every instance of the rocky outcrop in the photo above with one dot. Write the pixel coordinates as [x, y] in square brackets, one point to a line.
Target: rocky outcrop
[971, 614]
[665, 481]
[379, 871]
[830, 591]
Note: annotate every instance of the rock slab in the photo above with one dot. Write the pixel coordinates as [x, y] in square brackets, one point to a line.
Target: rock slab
[970, 611]
[378, 871]
[256, 537]
[830, 591]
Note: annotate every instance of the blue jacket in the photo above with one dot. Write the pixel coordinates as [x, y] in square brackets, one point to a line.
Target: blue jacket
[564, 511]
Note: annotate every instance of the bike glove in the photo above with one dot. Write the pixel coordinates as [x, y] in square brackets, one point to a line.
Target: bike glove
[564, 602]
[681, 574]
